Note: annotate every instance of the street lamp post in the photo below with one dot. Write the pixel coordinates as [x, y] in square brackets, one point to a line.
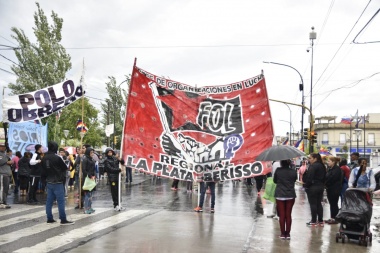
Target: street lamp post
[300, 88]
[358, 133]
[290, 126]
[312, 37]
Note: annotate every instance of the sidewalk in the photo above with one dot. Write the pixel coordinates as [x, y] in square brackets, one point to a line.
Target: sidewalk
[304, 238]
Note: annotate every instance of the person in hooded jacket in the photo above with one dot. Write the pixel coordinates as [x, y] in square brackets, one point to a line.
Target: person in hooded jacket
[35, 174]
[24, 172]
[334, 180]
[111, 166]
[53, 170]
[88, 170]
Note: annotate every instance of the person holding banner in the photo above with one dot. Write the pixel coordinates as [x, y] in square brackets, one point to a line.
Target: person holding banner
[204, 186]
[35, 174]
[111, 166]
[5, 174]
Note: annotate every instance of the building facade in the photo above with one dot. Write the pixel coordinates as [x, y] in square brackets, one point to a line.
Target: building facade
[341, 138]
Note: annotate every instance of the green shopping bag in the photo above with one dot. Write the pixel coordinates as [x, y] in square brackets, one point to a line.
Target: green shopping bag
[270, 188]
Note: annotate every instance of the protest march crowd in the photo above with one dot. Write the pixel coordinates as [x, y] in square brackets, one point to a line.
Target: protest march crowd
[56, 172]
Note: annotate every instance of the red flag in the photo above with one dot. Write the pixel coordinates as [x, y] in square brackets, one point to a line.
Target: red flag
[172, 129]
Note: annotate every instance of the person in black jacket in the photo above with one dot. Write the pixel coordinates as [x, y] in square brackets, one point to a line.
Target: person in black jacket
[334, 180]
[24, 172]
[285, 177]
[111, 166]
[35, 174]
[314, 186]
[54, 172]
[88, 170]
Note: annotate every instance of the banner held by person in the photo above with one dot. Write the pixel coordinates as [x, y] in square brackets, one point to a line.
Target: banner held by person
[41, 103]
[179, 131]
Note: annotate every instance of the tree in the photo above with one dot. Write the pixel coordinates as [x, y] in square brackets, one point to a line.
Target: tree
[43, 63]
[114, 107]
[68, 121]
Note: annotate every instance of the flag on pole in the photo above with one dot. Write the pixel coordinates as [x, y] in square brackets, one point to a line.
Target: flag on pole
[301, 146]
[286, 142]
[81, 126]
[346, 120]
[357, 119]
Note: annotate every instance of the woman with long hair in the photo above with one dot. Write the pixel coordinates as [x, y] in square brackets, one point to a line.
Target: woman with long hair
[314, 185]
[285, 177]
[362, 176]
[334, 178]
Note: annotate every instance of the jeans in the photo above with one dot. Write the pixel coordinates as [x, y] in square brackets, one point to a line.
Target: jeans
[55, 192]
[87, 200]
[203, 191]
[128, 174]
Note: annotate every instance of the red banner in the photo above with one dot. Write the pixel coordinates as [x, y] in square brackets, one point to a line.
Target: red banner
[208, 133]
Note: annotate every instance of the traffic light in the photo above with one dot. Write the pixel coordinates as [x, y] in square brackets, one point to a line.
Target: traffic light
[115, 139]
[306, 133]
[313, 136]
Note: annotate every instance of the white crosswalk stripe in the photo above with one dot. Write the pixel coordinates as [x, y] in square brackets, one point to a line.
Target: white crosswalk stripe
[22, 218]
[13, 236]
[79, 233]
[17, 209]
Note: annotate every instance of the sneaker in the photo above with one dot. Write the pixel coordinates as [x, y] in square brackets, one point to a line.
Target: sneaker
[311, 224]
[77, 207]
[282, 237]
[121, 208]
[116, 208]
[92, 210]
[198, 209]
[5, 206]
[51, 221]
[321, 223]
[287, 236]
[212, 210]
[66, 222]
[87, 211]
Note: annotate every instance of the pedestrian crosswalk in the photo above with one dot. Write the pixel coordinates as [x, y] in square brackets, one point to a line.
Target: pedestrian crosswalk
[16, 226]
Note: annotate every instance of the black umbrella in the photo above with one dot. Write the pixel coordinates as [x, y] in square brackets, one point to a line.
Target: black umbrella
[282, 152]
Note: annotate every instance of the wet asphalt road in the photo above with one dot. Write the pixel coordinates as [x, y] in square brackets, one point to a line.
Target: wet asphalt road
[158, 219]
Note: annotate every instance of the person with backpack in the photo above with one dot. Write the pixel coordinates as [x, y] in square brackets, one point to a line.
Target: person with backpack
[334, 178]
[362, 176]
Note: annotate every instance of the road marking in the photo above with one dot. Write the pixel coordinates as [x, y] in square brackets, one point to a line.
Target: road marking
[83, 232]
[41, 227]
[26, 217]
[17, 209]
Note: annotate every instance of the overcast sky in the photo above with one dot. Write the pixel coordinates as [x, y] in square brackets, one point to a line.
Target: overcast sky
[220, 42]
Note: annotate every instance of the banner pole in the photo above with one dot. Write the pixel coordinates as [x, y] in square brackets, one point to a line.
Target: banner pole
[81, 142]
[119, 192]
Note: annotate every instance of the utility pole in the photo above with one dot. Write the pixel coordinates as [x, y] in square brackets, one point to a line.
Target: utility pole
[108, 121]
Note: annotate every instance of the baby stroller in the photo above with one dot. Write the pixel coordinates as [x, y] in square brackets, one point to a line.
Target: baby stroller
[355, 217]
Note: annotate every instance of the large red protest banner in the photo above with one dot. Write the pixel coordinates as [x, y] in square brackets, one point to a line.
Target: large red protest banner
[208, 133]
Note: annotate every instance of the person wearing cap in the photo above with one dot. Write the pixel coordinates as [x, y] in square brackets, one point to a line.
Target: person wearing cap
[111, 166]
[35, 174]
[5, 174]
[354, 160]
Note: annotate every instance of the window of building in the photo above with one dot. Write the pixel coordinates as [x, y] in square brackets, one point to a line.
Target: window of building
[342, 139]
[325, 138]
[371, 139]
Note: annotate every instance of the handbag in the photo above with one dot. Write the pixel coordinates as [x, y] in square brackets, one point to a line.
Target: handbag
[270, 188]
[89, 184]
